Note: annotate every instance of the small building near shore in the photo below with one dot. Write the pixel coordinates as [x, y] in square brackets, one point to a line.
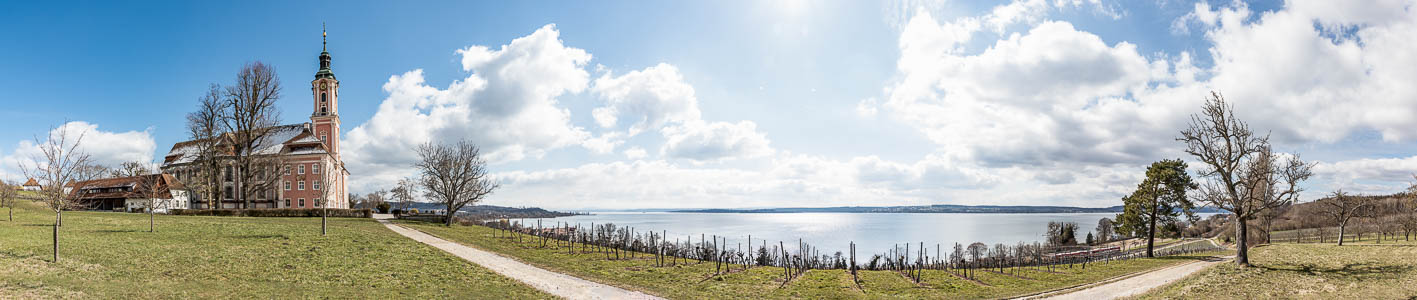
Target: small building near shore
[131, 194]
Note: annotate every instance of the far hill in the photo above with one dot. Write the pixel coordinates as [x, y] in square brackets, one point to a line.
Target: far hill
[490, 211]
[940, 208]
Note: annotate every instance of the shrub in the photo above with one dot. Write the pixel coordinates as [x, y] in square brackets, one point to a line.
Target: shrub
[384, 207]
[397, 211]
[279, 212]
[413, 211]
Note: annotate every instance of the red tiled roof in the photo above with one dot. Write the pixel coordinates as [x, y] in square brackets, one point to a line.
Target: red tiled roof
[31, 183]
[126, 187]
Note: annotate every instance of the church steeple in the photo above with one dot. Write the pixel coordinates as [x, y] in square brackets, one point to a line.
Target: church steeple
[325, 71]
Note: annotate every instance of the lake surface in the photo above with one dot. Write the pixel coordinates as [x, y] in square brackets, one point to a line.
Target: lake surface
[830, 232]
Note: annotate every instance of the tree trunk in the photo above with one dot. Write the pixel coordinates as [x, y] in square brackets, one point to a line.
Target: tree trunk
[1340, 233]
[324, 215]
[1151, 234]
[150, 219]
[12, 213]
[56, 236]
[1242, 253]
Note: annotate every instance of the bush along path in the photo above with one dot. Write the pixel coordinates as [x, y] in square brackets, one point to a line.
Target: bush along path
[558, 284]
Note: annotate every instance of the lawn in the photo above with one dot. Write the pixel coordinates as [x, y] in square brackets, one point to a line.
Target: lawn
[111, 255]
[693, 281]
[1318, 271]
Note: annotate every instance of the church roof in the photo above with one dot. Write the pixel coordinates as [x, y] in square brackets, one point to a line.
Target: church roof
[274, 142]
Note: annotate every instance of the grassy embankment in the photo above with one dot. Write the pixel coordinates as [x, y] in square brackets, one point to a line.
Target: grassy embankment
[111, 255]
[694, 282]
[1361, 270]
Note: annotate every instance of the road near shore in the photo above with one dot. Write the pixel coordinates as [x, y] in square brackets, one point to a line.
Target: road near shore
[558, 284]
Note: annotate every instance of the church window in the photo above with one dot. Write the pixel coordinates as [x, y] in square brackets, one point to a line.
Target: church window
[324, 97]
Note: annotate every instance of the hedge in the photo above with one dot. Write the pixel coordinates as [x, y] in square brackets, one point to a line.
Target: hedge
[277, 212]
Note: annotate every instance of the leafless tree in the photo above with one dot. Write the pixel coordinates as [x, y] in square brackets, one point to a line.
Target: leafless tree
[1342, 207]
[976, 252]
[130, 169]
[205, 129]
[8, 194]
[1241, 173]
[403, 192]
[455, 175]
[373, 199]
[156, 195]
[321, 183]
[1105, 230]
[250, 117]
[58, 162]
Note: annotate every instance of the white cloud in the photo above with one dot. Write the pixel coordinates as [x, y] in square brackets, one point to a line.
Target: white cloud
[647, 98]
[710, 142]
[507, 105]
[106, 148]
[635, 153]
[1052, 94]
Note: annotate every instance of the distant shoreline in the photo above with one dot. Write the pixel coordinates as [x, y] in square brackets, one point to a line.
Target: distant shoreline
[979, 209]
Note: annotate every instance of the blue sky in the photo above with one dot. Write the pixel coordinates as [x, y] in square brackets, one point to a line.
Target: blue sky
[747, 103]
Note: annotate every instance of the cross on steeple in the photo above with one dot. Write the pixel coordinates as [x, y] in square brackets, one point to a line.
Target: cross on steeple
[323, 34]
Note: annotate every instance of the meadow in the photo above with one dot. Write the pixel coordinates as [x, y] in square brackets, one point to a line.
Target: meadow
[1360, 270]
[111, 255]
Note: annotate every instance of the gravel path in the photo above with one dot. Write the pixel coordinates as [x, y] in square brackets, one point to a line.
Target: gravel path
[1141, 283]
[558, 284]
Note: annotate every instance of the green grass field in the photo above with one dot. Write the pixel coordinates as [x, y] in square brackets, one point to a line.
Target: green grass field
[111, 255]
[1361, 270]
[693, 282]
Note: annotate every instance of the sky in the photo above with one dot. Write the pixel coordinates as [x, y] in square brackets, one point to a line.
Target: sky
[737, 104]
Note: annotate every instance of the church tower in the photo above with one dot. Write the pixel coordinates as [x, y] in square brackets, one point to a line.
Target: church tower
[325, 88]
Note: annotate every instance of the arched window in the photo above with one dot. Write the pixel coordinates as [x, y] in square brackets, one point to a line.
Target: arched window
[324, 97]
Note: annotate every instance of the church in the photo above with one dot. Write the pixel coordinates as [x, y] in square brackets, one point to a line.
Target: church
[308, 150]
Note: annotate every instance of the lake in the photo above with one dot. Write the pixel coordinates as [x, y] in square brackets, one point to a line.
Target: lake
[829, 232]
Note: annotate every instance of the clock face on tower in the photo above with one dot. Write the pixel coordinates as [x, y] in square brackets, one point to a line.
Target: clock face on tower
[324, 86]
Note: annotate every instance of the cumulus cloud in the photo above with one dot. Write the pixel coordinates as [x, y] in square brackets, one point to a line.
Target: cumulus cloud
[1051, 94]
[107, 148]
[507, 104]
[647, 99]
[1055, 103]
[709, 142]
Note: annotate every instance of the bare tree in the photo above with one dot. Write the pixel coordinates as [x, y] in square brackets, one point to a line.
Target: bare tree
[1242, 174]
[321, 183]
[58, 162]
[130, 169]
[403, 192]
[1342, 207]
[1104, 230]
[373, 199]
[156, 193]
[250, 117]
[205, 129]
[8, 193]
[455, 175]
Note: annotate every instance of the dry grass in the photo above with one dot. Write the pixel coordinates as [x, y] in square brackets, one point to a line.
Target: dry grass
[1314, 271]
